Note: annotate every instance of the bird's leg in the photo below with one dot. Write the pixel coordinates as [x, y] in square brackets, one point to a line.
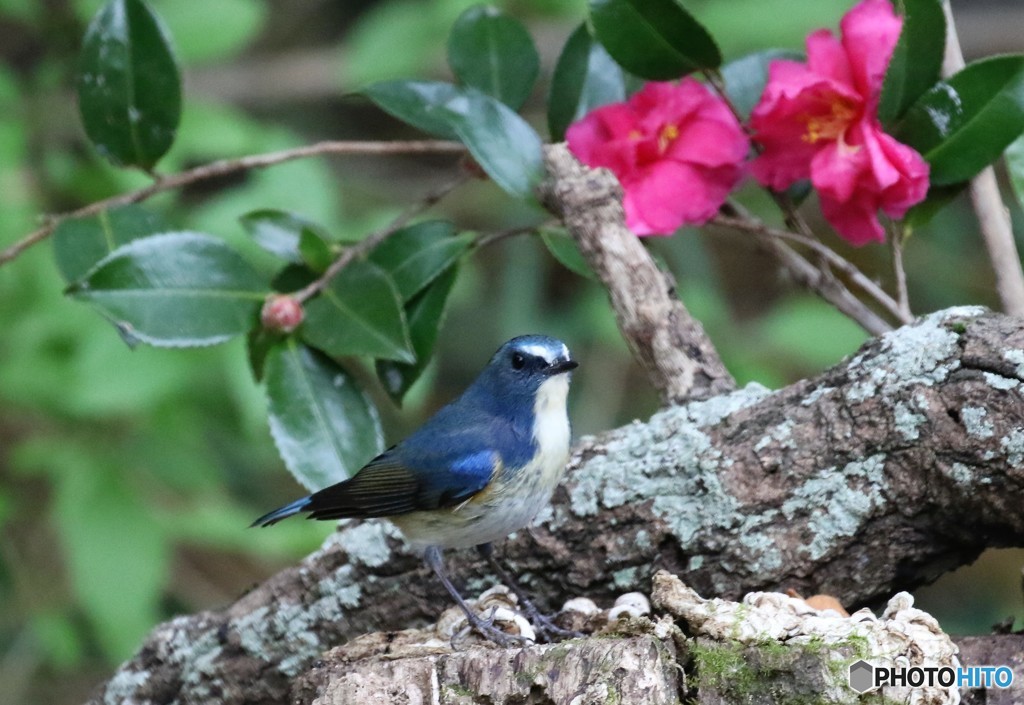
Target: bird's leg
[485, 627]
[545, 625]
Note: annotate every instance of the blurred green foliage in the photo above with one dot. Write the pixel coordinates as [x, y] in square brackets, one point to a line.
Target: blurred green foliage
[128, 477]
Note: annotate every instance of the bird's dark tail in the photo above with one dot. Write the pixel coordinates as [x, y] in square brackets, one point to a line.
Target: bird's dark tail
[283, 512]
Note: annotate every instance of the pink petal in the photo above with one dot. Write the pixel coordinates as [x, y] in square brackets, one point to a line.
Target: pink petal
[672, 194]
[870, 32]
[856, 221]
[839, 169]
[781, 122]
[603, 138]
[710, 142]
[912, 186]
[826, 57]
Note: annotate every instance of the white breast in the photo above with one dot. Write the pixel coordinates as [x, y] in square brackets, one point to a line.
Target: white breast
[551, 428]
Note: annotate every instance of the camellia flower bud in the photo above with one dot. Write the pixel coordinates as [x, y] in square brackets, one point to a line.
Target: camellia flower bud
[281, 313]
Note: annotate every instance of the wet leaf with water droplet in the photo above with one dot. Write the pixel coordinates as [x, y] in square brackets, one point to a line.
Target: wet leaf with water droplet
[129, 85]
[963, 124]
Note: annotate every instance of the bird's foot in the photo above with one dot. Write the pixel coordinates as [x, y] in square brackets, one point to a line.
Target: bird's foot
[487, 629]
[547, 630]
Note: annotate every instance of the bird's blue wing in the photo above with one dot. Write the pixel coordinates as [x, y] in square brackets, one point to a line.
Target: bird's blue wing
[448, 460]
[404, 480]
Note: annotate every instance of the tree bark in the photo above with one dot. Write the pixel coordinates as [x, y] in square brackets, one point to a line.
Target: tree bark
[902, 462]
[669, 343]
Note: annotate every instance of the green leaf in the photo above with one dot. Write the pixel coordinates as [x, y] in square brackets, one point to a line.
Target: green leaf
[654, 39]
[745, 77]
[586, 77]
[323, 424]
[418, 103]
[359, 313]
[1015, 165]
[501, 142]
[961, 125]
[80, 243]
[564, 249]
[279, 232]
[916, 60]
[175, 290]
[425, 314]
[494, 53]
[415, 256]
[315, 250]
[129, 88]
[504, 144]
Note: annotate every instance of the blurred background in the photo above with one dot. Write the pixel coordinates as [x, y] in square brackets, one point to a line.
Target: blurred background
[128, 478]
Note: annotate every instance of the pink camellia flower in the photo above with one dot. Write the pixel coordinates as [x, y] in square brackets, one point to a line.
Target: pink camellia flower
[677, 150]
[819, 120]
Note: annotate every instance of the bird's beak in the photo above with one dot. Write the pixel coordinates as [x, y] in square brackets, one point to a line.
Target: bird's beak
[559, 366]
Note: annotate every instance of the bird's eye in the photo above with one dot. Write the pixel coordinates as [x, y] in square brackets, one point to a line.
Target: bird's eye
[518, 361]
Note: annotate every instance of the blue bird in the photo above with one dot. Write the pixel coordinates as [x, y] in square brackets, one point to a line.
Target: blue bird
[479, 469]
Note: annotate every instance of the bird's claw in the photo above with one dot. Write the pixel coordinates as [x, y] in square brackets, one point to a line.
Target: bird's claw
[550, 631]
[485, 628]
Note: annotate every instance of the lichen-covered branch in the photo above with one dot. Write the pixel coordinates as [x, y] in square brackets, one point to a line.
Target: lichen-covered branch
[669, 343]
[903, 462]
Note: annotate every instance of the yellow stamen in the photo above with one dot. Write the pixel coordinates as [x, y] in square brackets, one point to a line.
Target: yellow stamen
[668, 133]
[843, 111]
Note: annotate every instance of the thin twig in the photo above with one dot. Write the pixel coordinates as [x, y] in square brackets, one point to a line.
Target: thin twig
[491, 238]
[993, 217]
[375, 238]
[896, 240]
[228, 166]
[827, 287]
[834, 260]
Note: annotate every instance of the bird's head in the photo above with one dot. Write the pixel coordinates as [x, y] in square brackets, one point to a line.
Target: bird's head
[521, 366]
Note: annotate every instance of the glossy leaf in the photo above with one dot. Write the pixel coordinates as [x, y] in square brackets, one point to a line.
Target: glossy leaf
[315, 250]
[425, 314]
[1015, 165]
[129, 87]
[564, 249]
[278, 232]
[418, 103]
[80, 243]
[745, 77]
[493, 53]
[917, 59]
[323, 424]
[963, 124]
[359, 313]
[654, 39]
[501, 142]
[175, 290]
[585, 78]
[415, 256]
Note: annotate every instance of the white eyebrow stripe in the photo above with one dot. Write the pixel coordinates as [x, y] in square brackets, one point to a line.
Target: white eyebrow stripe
[540, 351]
